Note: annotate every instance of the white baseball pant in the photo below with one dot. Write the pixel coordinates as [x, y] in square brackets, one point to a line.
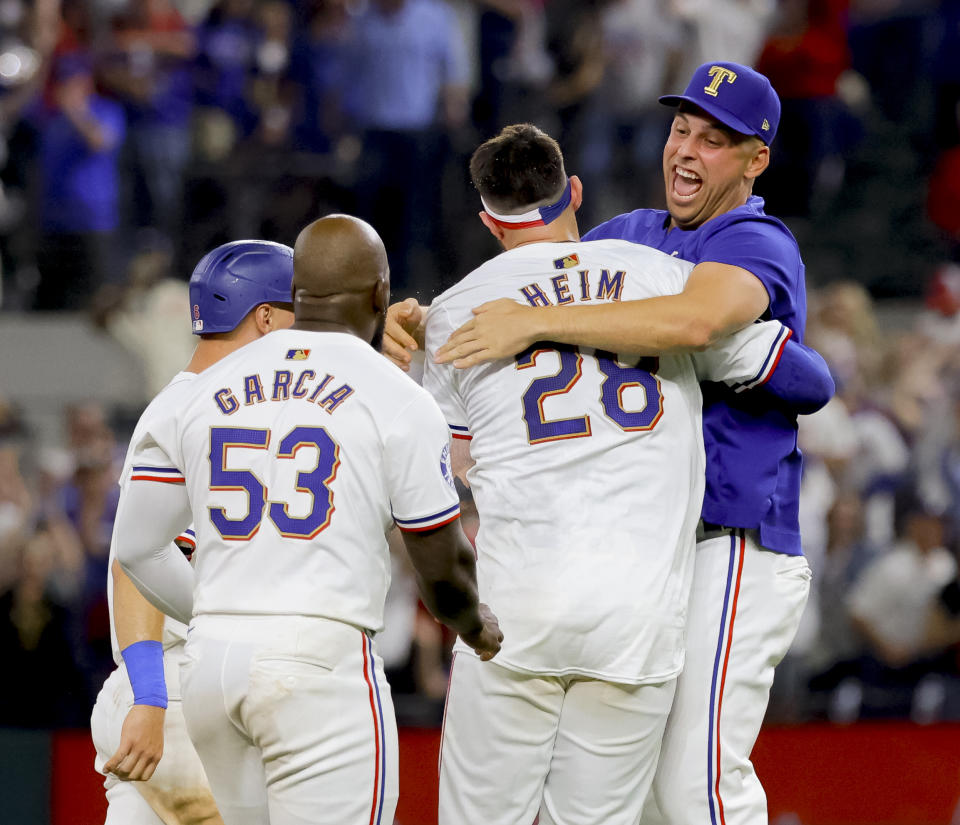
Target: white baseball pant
[178, 792]
[745, 608]
[579, 751]
[293, 720]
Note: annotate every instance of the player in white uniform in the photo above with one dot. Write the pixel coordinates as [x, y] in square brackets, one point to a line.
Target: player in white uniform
[295, 455]
[588, 479]
[239, 292]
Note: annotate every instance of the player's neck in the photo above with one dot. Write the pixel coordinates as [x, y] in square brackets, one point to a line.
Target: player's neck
[348, 312]
[209, 352]
[551, 233]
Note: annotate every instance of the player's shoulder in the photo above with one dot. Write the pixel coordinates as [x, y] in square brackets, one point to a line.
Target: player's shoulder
[171, 398]
[639, 226]
[631, 252]
[750, 219]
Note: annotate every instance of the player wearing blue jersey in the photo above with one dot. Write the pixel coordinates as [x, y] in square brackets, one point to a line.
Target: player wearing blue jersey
[751, 580]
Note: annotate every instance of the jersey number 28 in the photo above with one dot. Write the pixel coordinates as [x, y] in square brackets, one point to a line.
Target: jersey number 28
[617, 378]
[314, 482]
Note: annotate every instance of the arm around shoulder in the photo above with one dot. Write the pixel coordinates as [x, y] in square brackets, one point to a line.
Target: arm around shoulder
[801, 379]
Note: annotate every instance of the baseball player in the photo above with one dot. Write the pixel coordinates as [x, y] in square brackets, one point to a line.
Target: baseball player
[295, 455]
[238, 292]
[588, 480]
[751, 581]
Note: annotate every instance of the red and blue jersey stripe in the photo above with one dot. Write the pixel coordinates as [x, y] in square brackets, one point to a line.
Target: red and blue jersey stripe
[166, 475]
[417, 525]
[721, 663]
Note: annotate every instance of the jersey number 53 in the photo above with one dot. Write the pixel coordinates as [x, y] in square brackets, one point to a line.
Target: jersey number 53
[315, 482]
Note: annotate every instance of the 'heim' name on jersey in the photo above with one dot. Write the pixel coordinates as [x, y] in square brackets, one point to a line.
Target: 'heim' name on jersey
[569, 287]
[282, 387]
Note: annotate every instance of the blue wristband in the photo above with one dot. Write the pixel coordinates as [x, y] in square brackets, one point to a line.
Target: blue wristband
[144, 661]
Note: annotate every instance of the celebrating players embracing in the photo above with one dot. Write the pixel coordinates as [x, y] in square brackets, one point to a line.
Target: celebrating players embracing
[588, 481]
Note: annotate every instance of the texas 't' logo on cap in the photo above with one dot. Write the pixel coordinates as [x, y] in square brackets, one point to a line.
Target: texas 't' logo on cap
[719, 74]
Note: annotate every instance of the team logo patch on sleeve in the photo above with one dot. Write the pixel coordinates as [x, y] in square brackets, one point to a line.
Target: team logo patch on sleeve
[298, 354]
[566, 262]
[445, 468]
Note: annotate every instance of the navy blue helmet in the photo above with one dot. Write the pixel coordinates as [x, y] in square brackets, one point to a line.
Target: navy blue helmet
[236, 277]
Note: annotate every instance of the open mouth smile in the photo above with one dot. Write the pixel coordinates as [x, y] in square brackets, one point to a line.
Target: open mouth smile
[686, 184]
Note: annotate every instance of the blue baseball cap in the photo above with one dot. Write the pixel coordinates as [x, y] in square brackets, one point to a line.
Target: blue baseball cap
[736, 95]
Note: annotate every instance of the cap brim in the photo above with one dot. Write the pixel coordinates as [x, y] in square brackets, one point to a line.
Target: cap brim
[717, 111]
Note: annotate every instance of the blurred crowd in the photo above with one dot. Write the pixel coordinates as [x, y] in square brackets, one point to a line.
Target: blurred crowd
[137, 134]
[132, 125]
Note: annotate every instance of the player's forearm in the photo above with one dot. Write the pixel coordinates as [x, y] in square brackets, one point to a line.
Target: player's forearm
[653, 326]
[134, 618]
[801, 379]
[446, 572]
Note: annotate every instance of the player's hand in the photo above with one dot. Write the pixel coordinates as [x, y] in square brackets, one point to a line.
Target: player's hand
[141, 744]
[486, 641]
[499, 329]
[403, 332]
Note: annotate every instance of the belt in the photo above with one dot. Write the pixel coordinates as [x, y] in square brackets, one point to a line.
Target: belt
[709, 530]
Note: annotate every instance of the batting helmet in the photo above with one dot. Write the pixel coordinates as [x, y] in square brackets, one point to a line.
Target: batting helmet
[234, 278]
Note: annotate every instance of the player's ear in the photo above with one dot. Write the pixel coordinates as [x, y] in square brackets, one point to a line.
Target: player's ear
[262, 318]
[495, 229]
[381, 295]
[759, 161]
[576, 192]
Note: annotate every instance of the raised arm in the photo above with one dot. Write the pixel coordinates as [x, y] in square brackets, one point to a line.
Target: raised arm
[718, 300]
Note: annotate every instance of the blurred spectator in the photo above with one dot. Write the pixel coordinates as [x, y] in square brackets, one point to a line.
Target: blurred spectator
[835, 657]
[89, 499]
[892, 606]
[732, 30]
[574, 40]
[149, 69]
[148, 315]
[623, 155]
[16, 505]
[408, 88]
[80, 139]
[805, 58]
[320, 63]
[46, 688]
[272, 90]
[227, 42]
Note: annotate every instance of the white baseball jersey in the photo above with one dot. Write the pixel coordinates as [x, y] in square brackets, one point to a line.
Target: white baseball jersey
[298, 452]
[174, 632]
[589, 469]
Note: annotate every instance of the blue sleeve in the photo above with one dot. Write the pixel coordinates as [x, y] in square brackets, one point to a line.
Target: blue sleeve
[801, 379]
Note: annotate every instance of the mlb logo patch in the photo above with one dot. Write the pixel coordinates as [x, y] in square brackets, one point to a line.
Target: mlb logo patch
[566, 262]
[298, 354]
